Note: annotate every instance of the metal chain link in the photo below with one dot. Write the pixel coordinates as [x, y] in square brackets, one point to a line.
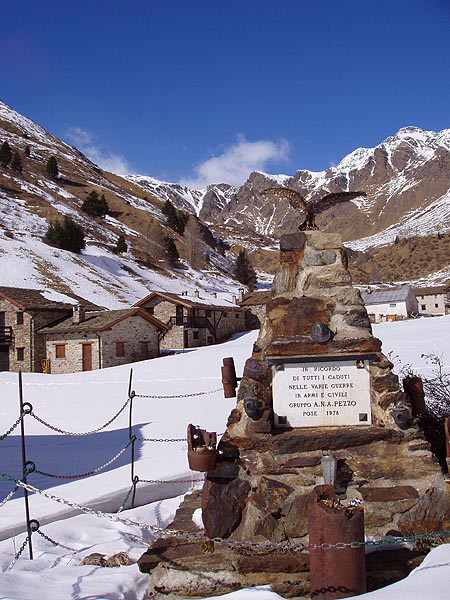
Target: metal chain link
[58, 430]
[179, 395]
[170, 481]
[21, 549]
[161, 439]
[201, 538]
[88, 473]
[49, 539]
[9, 496]
[125, 500]
[11, 429]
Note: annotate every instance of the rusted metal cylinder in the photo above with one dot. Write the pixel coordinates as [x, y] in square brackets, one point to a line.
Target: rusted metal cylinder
[229, 379]
[413, 387]
[202, 452]
[335, 571]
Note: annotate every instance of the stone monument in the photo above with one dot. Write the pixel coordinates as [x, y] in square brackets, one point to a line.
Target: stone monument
[317, 399]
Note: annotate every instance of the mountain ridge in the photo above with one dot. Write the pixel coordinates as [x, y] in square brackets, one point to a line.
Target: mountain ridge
[406, 178]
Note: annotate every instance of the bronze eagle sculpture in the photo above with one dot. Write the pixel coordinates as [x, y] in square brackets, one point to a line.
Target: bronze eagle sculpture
[311, 208]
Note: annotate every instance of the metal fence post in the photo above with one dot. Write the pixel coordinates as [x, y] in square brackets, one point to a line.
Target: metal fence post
[132, 438]
[25, 408]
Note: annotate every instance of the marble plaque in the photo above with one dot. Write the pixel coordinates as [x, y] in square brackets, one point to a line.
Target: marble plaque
[314, 394]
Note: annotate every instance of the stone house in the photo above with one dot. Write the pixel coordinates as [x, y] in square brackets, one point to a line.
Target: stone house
[22, 313]
[433, 301]
[254, 304]
[390, 304]
[96, 340]
[193, 321]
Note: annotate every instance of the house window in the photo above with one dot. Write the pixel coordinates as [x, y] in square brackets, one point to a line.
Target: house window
[224, 314]
[195, 335]
[120, 349]
[436, 306]
[60, 350]
[20, 353]
[237, 315]
[423, 307]
[150, 310]
[20, 318]
[392, 305]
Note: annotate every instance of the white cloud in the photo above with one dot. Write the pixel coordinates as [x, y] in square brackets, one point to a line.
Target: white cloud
[236, 162]
[85, 141]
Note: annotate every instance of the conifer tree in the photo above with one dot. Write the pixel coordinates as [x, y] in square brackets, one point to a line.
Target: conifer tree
[95, 205]
[52, 167]
[16, 162]
[176, 219]
[121, 245]
[244, 272]
[66, 235]
[5, 154]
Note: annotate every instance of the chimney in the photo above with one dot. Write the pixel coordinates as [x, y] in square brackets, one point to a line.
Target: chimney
[241, 295]
[79, 313]
[196, 293]
[234, 299]
[214, 294]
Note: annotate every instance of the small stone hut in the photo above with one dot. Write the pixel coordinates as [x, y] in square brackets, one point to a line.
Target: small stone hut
[96, 340]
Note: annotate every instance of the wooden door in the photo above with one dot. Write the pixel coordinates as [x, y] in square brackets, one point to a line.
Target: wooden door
[87, 357]
[4, 358]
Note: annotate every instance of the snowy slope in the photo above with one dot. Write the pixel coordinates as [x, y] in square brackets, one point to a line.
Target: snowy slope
[83, 401]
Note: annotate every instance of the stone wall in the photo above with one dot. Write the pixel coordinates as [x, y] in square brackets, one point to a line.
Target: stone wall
[25, 336]
[265, 474]
[132, 331]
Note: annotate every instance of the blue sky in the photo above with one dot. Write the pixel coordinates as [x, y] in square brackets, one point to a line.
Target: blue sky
[207, 90]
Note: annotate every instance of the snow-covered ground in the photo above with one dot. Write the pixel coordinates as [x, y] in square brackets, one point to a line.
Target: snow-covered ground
[84, 401]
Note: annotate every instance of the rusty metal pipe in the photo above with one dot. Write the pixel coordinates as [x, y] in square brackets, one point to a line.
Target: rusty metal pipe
[229, 378]
[413, 387]
[335, 572]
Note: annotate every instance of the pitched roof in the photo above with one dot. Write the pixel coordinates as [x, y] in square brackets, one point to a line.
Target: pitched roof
[189, 301]
[387, 295]
[32, 299]
[255, 298]
[101, 321]
[430, 291]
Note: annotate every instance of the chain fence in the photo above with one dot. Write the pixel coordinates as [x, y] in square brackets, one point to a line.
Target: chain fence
[29, 466]
[155, 397]
[280, 547]
[87, 473]
[76, 433]
[11, 429]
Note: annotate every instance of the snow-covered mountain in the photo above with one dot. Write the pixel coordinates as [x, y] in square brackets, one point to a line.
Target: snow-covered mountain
[406, 179]
[30, 199]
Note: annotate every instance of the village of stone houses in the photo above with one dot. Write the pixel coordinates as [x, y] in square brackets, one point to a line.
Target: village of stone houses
[236, 390]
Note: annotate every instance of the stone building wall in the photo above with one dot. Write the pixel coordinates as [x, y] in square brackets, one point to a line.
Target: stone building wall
[73, 360]
[133, 332]
[26, 342]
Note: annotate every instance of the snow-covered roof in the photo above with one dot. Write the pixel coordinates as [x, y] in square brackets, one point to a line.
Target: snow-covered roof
[190, 301]
[100, 321]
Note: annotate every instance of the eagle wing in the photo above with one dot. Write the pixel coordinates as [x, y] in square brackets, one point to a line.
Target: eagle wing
[296, 200]
[335, 198]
